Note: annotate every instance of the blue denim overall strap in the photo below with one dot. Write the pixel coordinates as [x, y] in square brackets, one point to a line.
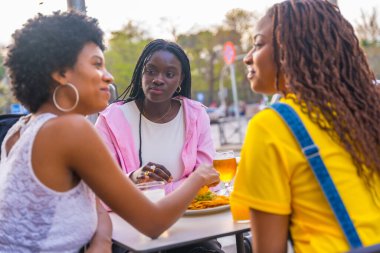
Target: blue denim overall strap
[311, 152]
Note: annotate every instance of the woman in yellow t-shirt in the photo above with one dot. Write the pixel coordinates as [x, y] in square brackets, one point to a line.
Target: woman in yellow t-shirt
[309, 53]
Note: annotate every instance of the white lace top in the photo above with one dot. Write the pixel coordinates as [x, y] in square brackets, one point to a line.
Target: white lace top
[33, 217]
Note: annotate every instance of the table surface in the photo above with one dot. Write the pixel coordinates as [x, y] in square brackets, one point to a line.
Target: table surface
[187, 230]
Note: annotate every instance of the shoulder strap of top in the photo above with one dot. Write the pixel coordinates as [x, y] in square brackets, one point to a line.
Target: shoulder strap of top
[311, 152]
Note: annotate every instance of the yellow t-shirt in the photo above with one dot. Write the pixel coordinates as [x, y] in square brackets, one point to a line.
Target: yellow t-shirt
[273, 176]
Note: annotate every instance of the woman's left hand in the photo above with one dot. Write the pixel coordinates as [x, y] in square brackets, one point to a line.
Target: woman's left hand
[151, 172]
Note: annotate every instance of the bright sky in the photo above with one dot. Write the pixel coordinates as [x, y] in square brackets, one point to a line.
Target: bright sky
[186, 15]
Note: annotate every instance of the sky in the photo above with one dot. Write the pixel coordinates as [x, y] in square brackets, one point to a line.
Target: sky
[186, 15]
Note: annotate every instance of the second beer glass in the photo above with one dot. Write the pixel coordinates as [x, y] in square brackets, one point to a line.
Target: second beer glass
[225, 163]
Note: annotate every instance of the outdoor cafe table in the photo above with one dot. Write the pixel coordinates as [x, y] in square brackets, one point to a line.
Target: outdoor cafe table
[187, 230]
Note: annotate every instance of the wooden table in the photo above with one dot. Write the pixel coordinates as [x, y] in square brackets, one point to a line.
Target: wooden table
[187, 230]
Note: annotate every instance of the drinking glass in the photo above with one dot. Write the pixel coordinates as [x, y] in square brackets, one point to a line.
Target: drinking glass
[154, 190]
[225, 163]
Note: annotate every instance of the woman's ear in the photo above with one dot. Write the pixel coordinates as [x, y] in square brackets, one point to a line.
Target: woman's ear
[59, 76]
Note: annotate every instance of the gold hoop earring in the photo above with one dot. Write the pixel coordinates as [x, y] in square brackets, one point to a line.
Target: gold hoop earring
[178, 90]
[76, 97]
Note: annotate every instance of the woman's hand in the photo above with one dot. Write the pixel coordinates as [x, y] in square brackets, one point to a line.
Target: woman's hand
[208, 174]
[151, 172]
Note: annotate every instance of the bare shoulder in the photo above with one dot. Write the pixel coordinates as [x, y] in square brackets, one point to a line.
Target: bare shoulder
[65, 128]
[67, 123]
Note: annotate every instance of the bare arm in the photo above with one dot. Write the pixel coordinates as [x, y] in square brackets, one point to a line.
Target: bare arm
[102, 240]
[85, 154]
[270, 232]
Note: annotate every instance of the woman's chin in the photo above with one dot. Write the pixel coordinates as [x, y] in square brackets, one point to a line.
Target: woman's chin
[262, 89]
[256, 89]
[100, 107]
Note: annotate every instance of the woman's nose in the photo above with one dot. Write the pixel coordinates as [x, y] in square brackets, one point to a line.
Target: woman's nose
[248, 58]
[107, 77]
[158, 79]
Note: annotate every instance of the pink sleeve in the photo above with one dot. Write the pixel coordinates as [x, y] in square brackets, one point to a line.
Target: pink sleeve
[104, 131]
[205, 148]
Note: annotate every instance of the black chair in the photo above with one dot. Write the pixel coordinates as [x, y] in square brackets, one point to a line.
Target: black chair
[6, 122]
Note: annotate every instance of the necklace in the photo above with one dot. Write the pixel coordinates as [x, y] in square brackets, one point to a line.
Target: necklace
[162, 117]
[142, 113]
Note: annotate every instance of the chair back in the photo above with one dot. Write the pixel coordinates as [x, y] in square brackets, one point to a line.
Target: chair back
[6, 122]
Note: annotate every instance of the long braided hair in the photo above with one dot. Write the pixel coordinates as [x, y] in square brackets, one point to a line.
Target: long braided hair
[317, 51]
[134, 90]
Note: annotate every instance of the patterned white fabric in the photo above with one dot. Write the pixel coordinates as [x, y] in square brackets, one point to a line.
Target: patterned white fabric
[33, 217]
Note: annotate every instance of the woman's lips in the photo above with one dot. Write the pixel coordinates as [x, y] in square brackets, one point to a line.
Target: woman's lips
[156, 90]
[106, 90]
[251, 74]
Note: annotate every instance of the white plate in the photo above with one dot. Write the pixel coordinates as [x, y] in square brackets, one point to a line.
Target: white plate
[207, 210]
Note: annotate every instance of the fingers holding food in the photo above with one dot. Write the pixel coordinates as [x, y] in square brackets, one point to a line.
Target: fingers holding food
[151, 172]
[159, 172]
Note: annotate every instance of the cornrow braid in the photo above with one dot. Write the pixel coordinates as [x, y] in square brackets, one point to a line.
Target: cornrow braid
[134, 90]
[316, 49]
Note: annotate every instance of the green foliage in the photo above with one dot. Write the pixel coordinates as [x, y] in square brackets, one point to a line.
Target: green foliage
[2, 69]
[368, 31]
[6, 98]
[373, 56]
[242, 22]
[204, 49]
[125, 46]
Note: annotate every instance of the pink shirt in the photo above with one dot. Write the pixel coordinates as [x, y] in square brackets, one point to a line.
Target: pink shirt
[198, 148]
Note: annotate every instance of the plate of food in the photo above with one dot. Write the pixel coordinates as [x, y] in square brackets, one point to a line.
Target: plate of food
[207, 202]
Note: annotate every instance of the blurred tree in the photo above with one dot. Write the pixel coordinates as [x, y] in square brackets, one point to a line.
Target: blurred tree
[203, 47]
[125, 46]
[242, 22]
[6, 98]
[368, 30]
[2, 69]
[170, 25]
[373, 55]
[205, 50]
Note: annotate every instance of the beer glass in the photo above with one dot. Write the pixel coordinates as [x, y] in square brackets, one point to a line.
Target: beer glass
[225, 163]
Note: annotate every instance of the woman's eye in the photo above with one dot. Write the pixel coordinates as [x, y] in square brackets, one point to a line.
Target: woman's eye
[150, 71]
[257, 45]
[170, 74]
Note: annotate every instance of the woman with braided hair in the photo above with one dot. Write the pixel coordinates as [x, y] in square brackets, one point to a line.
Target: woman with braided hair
[157, 133]
[307, 51]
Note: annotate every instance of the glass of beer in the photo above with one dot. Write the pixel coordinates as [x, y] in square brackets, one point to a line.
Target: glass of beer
[225, 163]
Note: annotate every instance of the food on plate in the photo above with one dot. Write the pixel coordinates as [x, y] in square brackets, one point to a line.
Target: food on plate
[207, 199]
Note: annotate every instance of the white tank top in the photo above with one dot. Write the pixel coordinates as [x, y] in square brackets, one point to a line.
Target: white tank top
[33, 217]
[161, 143]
